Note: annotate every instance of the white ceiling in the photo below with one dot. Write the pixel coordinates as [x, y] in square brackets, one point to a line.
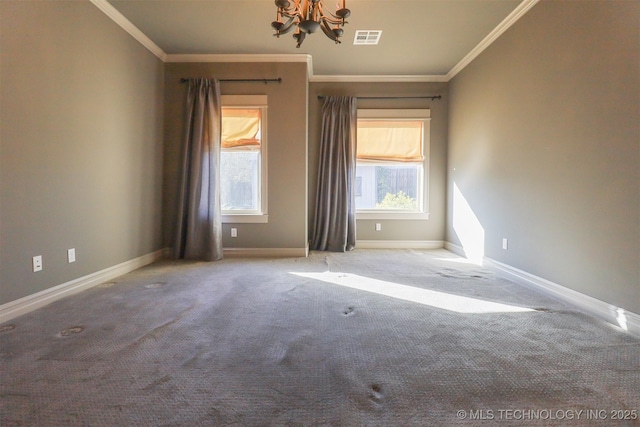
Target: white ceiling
[419, 37]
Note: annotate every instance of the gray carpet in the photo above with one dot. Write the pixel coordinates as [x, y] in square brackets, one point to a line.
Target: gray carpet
[245, 342]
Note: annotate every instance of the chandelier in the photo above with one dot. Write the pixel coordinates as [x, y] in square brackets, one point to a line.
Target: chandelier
[308, 16]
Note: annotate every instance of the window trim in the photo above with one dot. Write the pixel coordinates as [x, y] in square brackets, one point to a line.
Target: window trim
[409, 114]
[252, 101]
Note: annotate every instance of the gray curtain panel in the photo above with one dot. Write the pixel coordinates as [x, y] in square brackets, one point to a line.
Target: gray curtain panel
[199, 228]
[334, 227]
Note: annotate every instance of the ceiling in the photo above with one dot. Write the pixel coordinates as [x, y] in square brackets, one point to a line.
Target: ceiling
[419, 37]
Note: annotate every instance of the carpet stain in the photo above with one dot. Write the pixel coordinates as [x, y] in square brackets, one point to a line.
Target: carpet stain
[7, 328]
[375, 394]
[348, 311]
[446, 275]
[153, 285]
[452, 274]
[545, 310]
[74, 330]
[158, 382]
[155, 332]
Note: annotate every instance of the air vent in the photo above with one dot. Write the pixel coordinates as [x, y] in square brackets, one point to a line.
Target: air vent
[367, 37]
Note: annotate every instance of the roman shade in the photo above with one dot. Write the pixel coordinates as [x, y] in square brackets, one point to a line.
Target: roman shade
[240, 127]
[390, 140]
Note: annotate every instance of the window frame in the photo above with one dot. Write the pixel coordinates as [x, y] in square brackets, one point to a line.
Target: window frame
[422, 213]
[261, 215]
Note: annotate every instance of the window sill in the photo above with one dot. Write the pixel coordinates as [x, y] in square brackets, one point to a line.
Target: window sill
[245, 219]
[392, 215]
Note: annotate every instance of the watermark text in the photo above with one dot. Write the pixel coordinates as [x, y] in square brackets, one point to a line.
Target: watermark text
[547, 414]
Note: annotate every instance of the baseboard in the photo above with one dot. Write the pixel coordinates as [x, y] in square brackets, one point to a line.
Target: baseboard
[32, 302]
[458, 250]
[267, 252]
[617, 316]
[399, 244]
[608, 312]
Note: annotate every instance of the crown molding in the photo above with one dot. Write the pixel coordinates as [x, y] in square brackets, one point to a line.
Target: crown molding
[511, 19]
[120, 19]
[378, 78]
[295, 57]
[123, 22]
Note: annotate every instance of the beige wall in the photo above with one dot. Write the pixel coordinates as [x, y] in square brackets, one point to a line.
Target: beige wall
[544, 145]
[286, 146]
[416, 230]
[540, 135]
[81, 144]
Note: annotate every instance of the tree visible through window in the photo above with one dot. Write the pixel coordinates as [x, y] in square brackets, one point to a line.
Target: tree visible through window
[391, 160]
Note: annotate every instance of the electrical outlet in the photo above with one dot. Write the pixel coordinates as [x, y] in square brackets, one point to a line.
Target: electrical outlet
[71, 255]
[378, 226]
[234, 232]
[37, 263]
[505, 244]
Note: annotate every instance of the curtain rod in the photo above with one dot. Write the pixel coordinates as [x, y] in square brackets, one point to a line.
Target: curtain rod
[265, 81]
[432, 97]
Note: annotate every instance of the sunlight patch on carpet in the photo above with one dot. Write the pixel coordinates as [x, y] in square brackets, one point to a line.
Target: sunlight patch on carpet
[437, 299]
[458, 260]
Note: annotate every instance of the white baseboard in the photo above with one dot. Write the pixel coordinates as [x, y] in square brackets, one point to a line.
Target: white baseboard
[455, 249]
[32, 302]
[399, 244]
[617, 316]
[267, 252]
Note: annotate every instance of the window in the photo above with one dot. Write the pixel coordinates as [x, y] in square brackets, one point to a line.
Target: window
[392, 164]
[243, 165]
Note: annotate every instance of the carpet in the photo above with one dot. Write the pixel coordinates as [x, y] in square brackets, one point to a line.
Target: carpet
[364, 338]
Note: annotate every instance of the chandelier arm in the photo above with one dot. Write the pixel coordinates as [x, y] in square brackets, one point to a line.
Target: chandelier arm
[287, 26]
[319, 8]
[289, 14]
[338, 21]
[333, 17]
[298, 9]
[329, 32]
[300, 37]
